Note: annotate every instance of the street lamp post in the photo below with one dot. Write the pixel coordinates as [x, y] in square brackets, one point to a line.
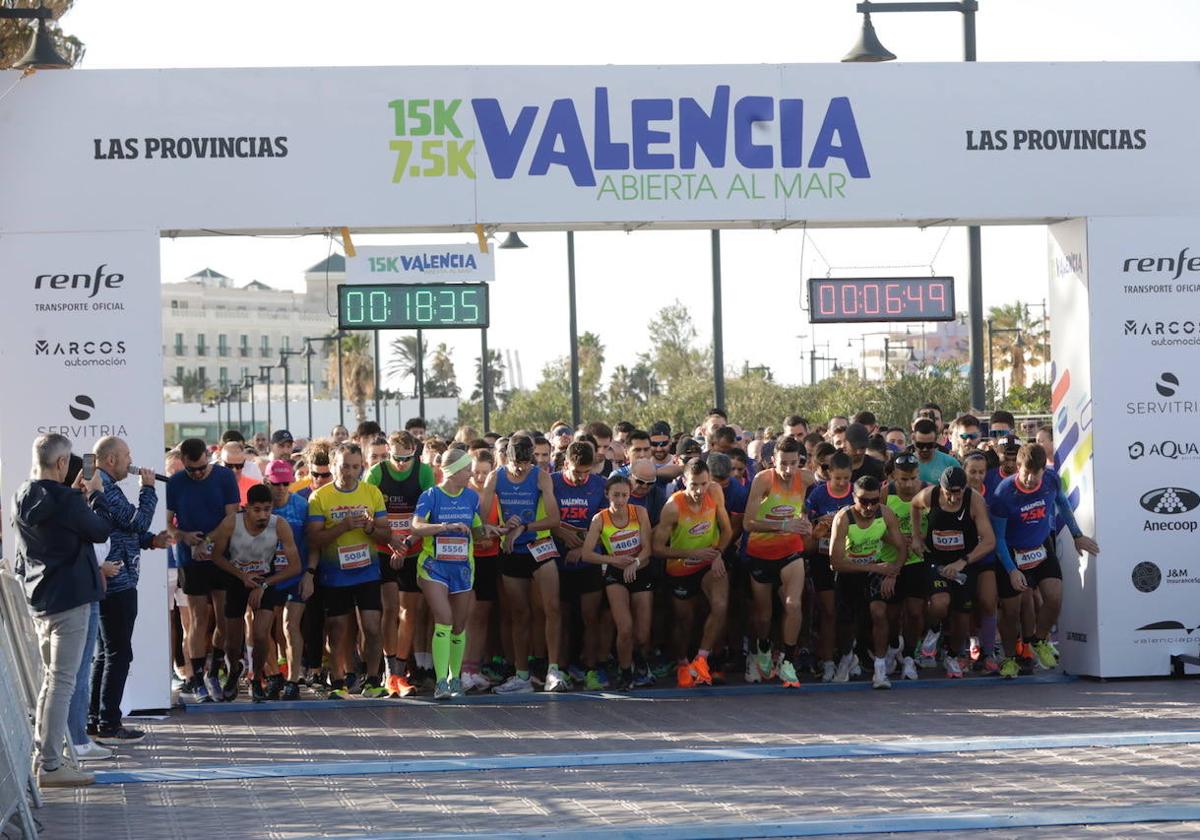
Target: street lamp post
[863, 339]
[248, 382]
[869, 49]
[283, 357]
[324, 339]
[264, 375]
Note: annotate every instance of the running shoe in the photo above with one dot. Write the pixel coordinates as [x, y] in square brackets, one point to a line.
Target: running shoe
[514, 685]
[442, 691]
[787, 675]
[118, 736]
[855, 666]
[291, 691]
[91, 751]
[753, 674]
[990, 665]
[880, 678]
[892, 660]
[373, 690]
[843, 668]
[765, 666]
[1009, 669]
[556, 681]
[1045, 654]
[828, 671]
[625, 680]
[212, 683]
[805, 662]
[426, 680]
[229, 691]
[592, 681]
[953, 667]
[496, 671]
[929, 645]
[643, 677]
[275, 685]
[926, 662]
[456, 687]
[577, 673]
[908, 669]
[661, 668]
[258, 694]
[699, 670]
[683, 676]
[338, 694]
[976, 651]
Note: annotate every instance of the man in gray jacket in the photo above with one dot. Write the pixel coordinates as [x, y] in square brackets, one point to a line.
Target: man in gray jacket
[56, 528]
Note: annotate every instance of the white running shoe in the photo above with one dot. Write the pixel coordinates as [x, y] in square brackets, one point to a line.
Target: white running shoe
[843, 668]
[475, 682]
[910, 669]
[880, 678]
[892, 660]
[929, 645]
[556, 681]
[953, 667]
[514, 685]
[855, 665]
[91, 751]
[828, 669]
[753, 675]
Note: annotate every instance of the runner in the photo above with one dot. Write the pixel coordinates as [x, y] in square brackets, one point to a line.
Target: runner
[528, 510]
[251, 540]
[487, 579]
[777, 526]
[293, 509]
[958, 547]
[866, 585]
[447, 521]
[976, 467]
[914, 583]
[624, 531]
[828, 497]
[933, 460]
[401, 479]
[344, 519]
[692, 534]
[1023, 515]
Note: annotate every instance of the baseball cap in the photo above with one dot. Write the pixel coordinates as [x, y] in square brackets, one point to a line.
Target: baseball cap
[279, 471]
[281, 436]
[954, 478]
[858, 435]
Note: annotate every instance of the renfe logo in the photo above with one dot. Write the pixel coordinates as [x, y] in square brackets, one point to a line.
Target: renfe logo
[91, 282]
[667, 134]
[1177, 265]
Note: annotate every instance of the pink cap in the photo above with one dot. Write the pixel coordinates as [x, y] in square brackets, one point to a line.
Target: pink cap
[280, 471]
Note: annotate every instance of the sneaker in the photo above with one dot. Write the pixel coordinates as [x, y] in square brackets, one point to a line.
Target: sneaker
[1045, 654]
[593, 682]
[683, 676]
[401, 687]
[753, 674]
[514, 685]
[556, 681]
[1009, 668]
[625, 680]
[699, 670]
[275, 685]
[643, 678]
[94, 728]
[976, 651]
[929, 645]
[926, 662]
[909, 669]
[495, 671]
[475, 681]
[804, 661]
[828, 671]
[855, 666]
[291, 691]
[442, 691]
[787, 675]
[427, 680]
[990, 665]
[91, 751]
[843, 668]
[456, 687]
[766, 667]
[338, 694]
[577, 673]
[953, 667]
[892, 660]
[373, 690]
[258, 693]
[229, 691]
[65, 776]
[880, 678]
[212, 683]
[354, 683]
[120, 735]
[661, 668]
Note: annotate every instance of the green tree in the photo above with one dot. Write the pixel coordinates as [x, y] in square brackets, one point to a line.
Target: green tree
[1017, 340]
[358, 372]
[405, 354]
[194, 386]
[675, 356]
[15, 35]
[441, 380]
[496, 383]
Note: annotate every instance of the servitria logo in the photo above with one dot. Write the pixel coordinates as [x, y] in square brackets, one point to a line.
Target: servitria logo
[82, 409]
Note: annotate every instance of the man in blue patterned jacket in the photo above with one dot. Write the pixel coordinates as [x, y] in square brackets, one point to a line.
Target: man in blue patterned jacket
[118, 611]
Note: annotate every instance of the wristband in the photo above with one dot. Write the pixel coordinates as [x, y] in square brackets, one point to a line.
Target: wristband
[310, 571]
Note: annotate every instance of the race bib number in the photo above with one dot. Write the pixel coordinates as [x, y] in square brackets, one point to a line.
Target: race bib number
[543, 549]
[625, 543]
[281, 560]
[949, 540]
[400, 523]
[1029, 558]
[452, 549]
[860, 559]
[354, 556]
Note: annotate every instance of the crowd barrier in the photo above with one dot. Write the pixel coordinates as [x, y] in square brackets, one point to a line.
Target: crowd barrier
[20, 679]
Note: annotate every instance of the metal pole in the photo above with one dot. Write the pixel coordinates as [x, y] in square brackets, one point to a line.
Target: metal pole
[576, 413]
[887, 356]
[341, 392]
[812, 367]
[991, 365]
[420, 373]
[864, 357]
[974, 252]
[241, 424]
[268, 378]
[308, 354]
[718, 339]
[253, 419]
[375, 377]
[287, 420]
[485, 378]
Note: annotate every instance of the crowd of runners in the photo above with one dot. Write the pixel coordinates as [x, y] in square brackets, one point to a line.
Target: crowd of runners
[615, 558]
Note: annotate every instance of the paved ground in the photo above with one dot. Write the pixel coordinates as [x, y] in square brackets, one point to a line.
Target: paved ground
[667, 797]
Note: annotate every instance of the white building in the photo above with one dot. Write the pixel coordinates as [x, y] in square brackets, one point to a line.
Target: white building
[218, 332]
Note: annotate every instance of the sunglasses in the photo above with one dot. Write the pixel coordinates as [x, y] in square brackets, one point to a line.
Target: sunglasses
[906, 461]
[926, 446]
[867, 501]
[998, 433]
[281, 484]
[196, 469]
[660, 444]
[641, 482]
[235, 466]
[316, 474]
[968, 435]
[403, 459]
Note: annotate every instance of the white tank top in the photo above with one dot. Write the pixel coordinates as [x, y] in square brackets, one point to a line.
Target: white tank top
[253, 553]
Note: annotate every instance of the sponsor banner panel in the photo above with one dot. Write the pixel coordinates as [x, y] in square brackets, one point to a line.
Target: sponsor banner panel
[1146, 338]
[1080, 637]
[420, 264]
[437, 148]
[82, 357]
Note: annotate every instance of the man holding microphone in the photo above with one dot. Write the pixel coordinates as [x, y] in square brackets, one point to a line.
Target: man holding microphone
[118, 611]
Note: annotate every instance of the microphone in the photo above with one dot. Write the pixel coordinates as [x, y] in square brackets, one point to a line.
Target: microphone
[157, 476]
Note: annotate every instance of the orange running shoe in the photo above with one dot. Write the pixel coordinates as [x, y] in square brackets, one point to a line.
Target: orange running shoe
[683, 676]
[397, 686]
[699, 669]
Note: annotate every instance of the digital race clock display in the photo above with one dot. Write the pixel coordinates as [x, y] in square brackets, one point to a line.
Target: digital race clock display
[406, 306]
[860, 299]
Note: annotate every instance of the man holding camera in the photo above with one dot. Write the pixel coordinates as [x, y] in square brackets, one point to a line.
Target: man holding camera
[57, 527]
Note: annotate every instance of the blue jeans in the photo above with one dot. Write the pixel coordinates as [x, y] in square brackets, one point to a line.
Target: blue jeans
[77, 716]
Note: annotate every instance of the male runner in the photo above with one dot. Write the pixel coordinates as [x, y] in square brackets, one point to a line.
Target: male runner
[913, 583]
[933, 461]
[293, 509]
[692, 534]
[826, 499]
[776, 525]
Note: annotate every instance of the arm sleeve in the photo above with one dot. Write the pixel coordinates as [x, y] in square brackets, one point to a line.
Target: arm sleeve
[90, 521]
[1000, 526]
[1063, 506]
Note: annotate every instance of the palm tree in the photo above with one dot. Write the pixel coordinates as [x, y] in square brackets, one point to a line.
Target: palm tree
[441, 380]
[1017, 340]
[358, 372]
[194, 386]
[405, 354]
[495, 376]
